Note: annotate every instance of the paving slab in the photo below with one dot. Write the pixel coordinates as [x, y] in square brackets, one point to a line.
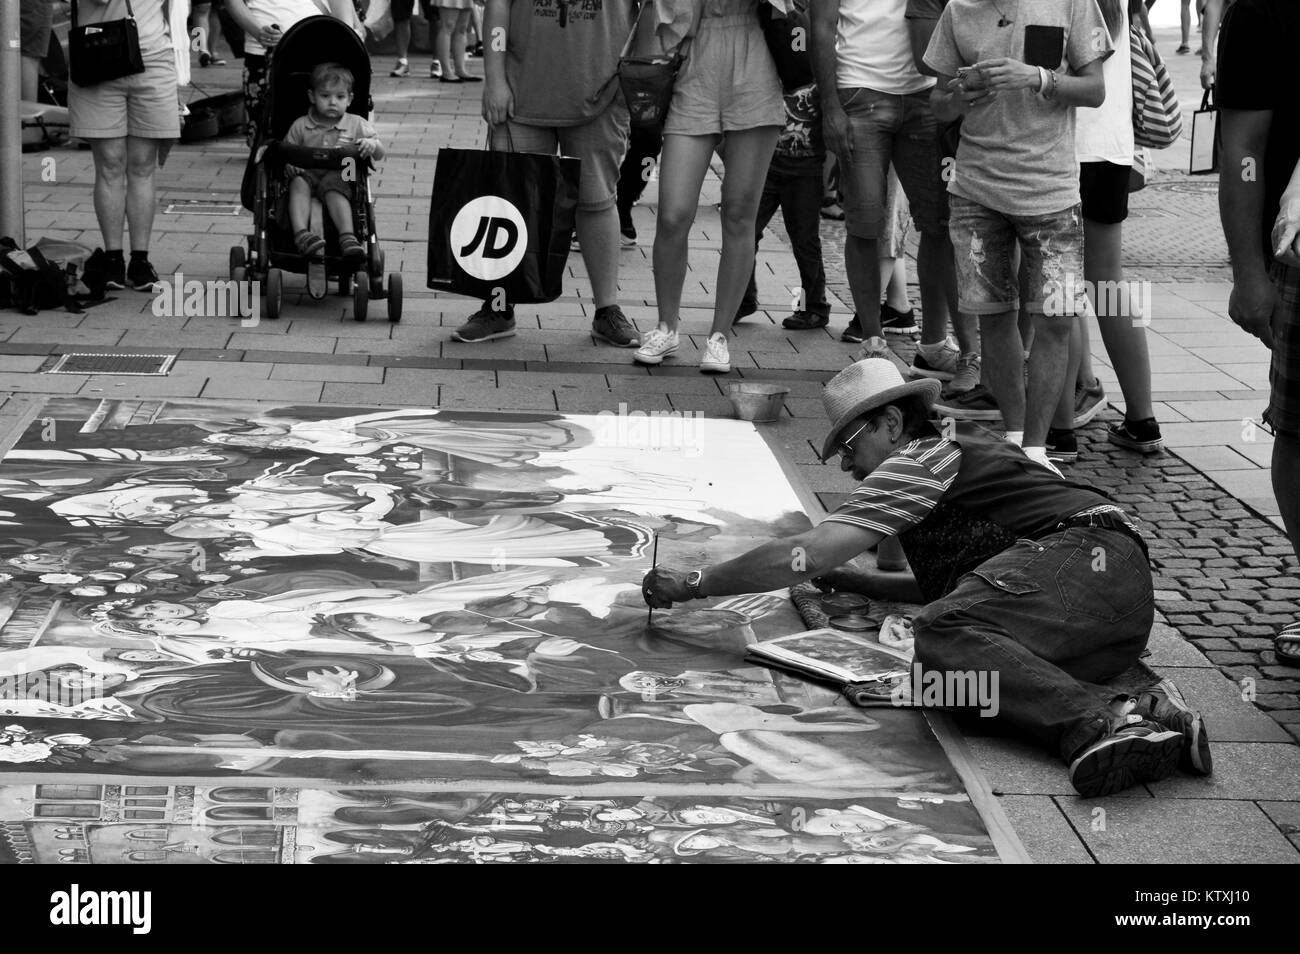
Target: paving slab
[1044, 830]
[1242, 771]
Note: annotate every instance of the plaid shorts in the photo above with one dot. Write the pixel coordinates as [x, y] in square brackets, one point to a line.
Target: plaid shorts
[1283, 414]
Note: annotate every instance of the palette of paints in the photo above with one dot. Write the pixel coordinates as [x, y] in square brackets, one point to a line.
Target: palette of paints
[852, 623]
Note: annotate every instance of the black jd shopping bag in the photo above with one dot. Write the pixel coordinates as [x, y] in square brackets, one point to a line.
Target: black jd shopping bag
[500, 223]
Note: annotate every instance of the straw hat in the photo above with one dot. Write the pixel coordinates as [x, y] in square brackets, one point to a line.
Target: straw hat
[863, 386]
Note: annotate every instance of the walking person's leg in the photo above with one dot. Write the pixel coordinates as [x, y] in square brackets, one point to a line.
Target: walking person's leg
[800, 195]
[447, 20]
[458, 45]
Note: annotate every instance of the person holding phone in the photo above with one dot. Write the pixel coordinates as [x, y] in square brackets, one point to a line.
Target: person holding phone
[1015, 72]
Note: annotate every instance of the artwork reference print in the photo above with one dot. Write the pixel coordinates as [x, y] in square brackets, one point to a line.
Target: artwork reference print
[212, 590]
[187, 824]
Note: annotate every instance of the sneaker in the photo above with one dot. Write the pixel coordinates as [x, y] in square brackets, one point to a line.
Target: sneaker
[574, 245]
[1039, 456]
[402, 68]
[805, 321]
[612, 326]
[141, 276]
[485, 325]
[853, 332]
[1164, 703]
[977, 404]
[1062, 446]
[103, 271]
[935, 361]
[1141, 436]
[831, 210]
[435, 70]
[1130, 750]
[966, 377]
[876, 348]
[717, 358]
[627, 237]
[656, 345]
[1183, 48]
[897, 322]
[1088, 403]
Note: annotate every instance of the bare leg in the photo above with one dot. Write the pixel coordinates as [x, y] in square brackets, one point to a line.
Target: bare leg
[442, 45]
[31, 78]
[340, 210]
[299, 204]
[141, 204]
[1124, 335]
[1286, 475]
[598, 239]
[933, 260]
[402, 35]
[1004, 366]
[750, 153]
[110, 189]
[1047, 365]
[458, 42]
[1064, 415]
[682, 166]
[893, 279]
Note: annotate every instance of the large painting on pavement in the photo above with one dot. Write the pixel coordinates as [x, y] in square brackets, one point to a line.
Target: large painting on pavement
[317, 598]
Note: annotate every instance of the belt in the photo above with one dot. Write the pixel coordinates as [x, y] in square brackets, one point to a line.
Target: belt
[1103, 521]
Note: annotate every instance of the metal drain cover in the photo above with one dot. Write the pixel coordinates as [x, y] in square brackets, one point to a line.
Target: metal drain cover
[108, 363]
[202, 207]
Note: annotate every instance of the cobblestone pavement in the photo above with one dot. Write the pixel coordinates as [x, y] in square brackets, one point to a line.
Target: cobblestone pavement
[1225, 575]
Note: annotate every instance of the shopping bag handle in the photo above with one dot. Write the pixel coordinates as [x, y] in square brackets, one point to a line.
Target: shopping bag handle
[1207, 100]
[510, 139]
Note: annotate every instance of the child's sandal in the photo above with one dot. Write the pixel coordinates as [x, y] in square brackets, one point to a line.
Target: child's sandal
[308, 243]
[351, 249]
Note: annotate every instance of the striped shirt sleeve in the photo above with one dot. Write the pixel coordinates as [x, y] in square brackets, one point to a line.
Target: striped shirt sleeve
[902, 491]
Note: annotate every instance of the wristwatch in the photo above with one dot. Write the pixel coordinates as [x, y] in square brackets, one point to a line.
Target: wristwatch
[693, 583]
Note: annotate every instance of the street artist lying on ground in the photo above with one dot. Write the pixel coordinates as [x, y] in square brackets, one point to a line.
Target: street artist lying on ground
[1040, 579]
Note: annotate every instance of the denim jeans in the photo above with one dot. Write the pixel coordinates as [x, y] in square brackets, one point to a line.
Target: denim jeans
[889, 129]
[795, 187]
[1051, 617]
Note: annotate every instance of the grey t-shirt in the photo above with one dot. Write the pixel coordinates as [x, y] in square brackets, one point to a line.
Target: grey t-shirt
[561, 57]
[1017, 151]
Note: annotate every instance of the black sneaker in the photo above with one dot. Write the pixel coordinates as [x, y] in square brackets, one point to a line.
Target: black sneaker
[1141, 436]
[1130, 750]
[1164, 703]
[1062, 445]
[977, 404]
[626, 230]
[853, 333]
[897, 322]
[805, 321]
[612, 326]
[102, 272]
[485, 325]
[141, 276]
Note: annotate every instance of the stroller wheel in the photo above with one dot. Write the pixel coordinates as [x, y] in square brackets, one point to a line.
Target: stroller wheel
[274, 292]
[238, 273]
[237, 260]
[360, 299]
[394, 297]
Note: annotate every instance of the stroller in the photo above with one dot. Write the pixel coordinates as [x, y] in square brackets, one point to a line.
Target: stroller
[271, 249]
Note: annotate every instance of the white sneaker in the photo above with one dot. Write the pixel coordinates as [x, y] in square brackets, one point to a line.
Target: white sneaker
[655, 346]
[717, 358]
[1039, 456]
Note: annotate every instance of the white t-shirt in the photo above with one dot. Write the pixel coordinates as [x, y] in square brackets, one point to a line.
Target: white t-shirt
[873, 49]
[1105, 133]
[284, 12]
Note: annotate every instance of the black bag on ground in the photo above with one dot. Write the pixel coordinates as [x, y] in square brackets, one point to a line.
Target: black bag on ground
[501, 224]
[99, 52]
[51, 274]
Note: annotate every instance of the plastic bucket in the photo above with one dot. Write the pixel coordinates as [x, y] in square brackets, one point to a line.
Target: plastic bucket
[760, 403]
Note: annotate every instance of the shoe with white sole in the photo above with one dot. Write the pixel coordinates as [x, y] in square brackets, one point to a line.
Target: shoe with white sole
[1164, 703]
[938, 361]
[717, 357]
[1131, 750]
[656, 345]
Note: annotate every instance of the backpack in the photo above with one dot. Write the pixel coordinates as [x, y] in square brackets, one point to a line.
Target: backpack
[1157, 116]
[51, 274]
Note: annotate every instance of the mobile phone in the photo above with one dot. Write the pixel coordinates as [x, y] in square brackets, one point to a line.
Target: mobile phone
[971, 78]
[1044, 45]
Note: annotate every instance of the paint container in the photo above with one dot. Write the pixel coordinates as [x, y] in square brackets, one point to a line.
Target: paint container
[845, 604]
[760, 403]
[853, 623]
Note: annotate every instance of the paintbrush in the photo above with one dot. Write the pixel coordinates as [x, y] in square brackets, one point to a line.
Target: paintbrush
[654, 565]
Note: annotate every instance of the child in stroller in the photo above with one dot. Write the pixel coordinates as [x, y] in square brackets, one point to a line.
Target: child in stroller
[327, 125]
[313, 174]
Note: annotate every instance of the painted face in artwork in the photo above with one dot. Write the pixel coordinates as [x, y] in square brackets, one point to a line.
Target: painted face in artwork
[842, 823]
[160, 610]
[142, 656]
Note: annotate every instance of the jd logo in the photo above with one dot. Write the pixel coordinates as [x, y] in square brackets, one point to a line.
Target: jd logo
[488, 238]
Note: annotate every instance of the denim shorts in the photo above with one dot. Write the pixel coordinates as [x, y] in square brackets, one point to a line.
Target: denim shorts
[891, 129]
[1051, 253]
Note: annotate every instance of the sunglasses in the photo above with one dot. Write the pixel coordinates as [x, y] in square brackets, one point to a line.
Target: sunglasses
[845, 447]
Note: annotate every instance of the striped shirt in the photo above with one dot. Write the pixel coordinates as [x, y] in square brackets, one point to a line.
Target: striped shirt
[902, 491]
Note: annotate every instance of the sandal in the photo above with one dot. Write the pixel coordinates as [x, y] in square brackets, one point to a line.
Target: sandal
[1286, 644]
[350, 248]
[308, 243]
